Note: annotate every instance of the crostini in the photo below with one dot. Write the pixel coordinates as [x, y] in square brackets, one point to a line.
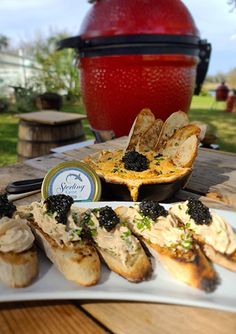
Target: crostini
[216, 237]
[169, 243]
[120, 250]
[54, 223]
[18, 255]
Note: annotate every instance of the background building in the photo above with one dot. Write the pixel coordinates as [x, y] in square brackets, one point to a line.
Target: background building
[16, 70]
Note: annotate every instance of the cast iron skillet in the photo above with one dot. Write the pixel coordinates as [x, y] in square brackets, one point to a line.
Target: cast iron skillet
[159, 192]
[113, 191]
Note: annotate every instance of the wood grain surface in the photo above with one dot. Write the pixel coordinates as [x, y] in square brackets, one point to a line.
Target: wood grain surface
[144, 318]
[50, 117]
[46, 318]
[213, 180]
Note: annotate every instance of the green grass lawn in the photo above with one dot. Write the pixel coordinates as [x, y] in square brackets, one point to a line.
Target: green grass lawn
[222, 123]
[202, 109]
[8, 139]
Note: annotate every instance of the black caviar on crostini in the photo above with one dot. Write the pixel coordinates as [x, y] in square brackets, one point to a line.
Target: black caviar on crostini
[199, 212]
[152, 209]
[135, 161]
[6, 208]
[61, 205]
[107, 218]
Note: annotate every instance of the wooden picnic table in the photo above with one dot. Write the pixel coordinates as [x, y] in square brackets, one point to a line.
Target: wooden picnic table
[213, 180]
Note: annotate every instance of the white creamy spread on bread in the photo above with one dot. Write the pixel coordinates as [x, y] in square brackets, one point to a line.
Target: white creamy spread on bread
[163, 231]
[60, 233]
[15, 235]
[119, 241]
[217, 234]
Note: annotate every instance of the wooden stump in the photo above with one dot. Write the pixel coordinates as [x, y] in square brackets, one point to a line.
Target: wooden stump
[36, 139]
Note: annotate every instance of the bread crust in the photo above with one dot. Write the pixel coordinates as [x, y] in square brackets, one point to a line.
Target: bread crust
[175, 121]
[192, 268]
[139, 270]
[186, 152]
[18, 270]
[224, 260]
[150, 137]
[79, 263]
[142, 122]
[180, 136]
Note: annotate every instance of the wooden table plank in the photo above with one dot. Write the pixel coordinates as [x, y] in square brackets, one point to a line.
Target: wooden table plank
[46, 318]
[183, 195]
[140, 318]
[215, 172]
[46, 162]
[17, 172]
[50, 117]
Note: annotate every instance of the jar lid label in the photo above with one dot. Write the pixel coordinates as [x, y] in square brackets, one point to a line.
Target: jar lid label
[73, 178]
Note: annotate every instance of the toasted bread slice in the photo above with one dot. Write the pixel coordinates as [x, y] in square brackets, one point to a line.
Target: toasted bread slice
[175, 121]
[203, 129]
[79, 263]
[142, 122]
[226, 261]
[18, 256]
[149, 139]
[216, 237]
[186, 152]
[17, 270]
[178, 138]
[120, 250]
[140, 270]
[55, 224]
[189, 265]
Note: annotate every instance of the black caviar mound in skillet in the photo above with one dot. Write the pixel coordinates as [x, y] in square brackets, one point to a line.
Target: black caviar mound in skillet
[61, 205]
[199, 212]
[135, 161]
[107, 218]
[152, 209]
[6, 208]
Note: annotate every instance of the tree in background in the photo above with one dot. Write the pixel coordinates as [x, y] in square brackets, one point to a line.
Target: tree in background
[59, 73]
[231, 78]
[4, 42]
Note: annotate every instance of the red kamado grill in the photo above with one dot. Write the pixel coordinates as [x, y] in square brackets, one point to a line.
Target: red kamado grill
[137, 54]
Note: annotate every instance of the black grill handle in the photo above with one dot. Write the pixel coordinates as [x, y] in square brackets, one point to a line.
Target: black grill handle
[204, 56]
[72, 42]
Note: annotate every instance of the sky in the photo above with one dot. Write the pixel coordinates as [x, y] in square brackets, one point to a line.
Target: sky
[22, 19]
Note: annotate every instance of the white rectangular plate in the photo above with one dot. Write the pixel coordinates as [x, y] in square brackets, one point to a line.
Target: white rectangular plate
[161, 288]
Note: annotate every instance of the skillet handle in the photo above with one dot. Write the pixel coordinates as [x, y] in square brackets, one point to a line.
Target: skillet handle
[24, 186]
